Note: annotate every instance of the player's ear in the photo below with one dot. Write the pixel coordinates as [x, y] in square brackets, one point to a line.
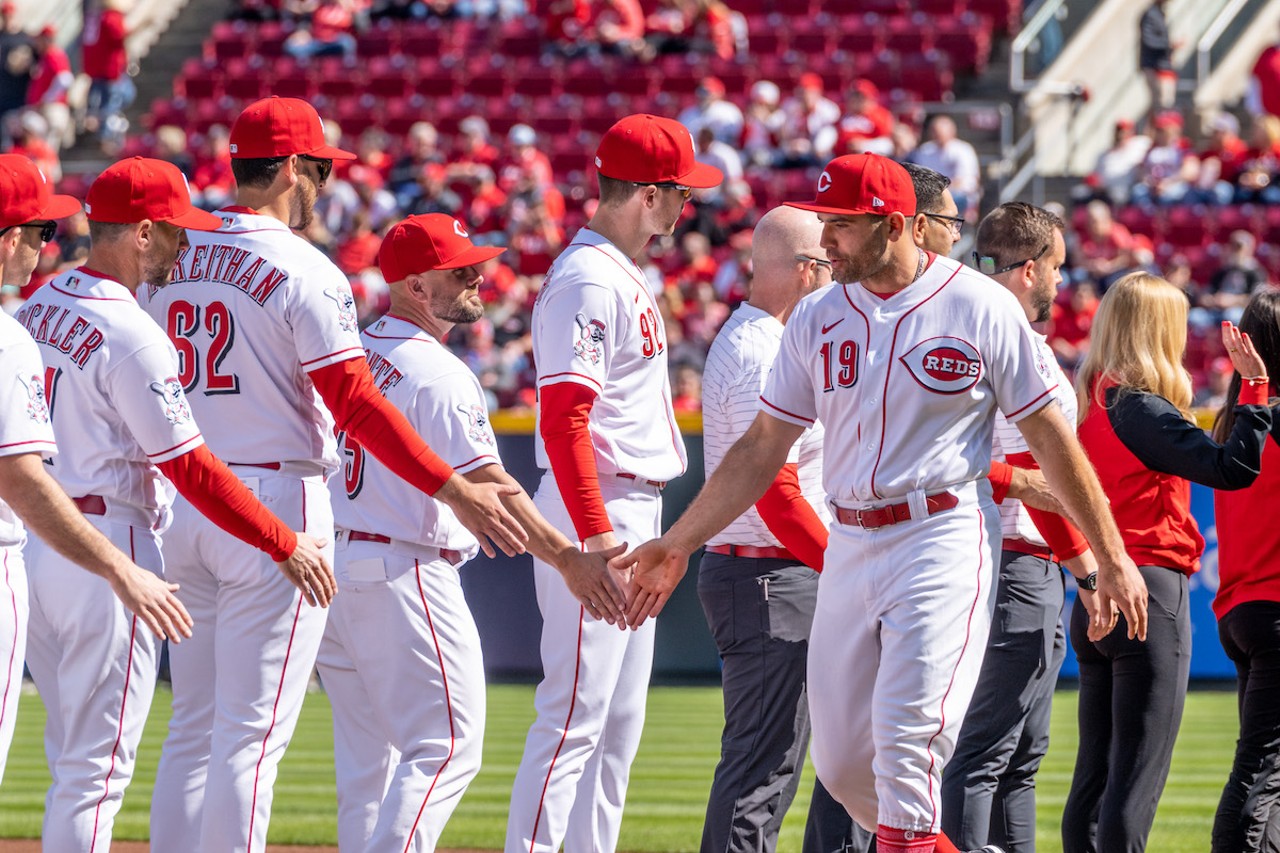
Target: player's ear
[144, 233]
[289, 171]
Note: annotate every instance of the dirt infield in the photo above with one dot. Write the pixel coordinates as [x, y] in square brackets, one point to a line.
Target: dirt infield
[32, 845]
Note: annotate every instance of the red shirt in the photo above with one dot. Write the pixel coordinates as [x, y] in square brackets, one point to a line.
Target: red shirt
[856, 127]
[103, 43]
[1267, 72]
[329, 21]
[1071, 325]
[626, 15]
[565, 19]
[358, 253]
[53, 63]
[1231, 155]
[1248, 543]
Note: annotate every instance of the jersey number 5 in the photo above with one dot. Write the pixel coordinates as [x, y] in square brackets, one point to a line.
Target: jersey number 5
[839, 365]
[184, 325]
[353, 467]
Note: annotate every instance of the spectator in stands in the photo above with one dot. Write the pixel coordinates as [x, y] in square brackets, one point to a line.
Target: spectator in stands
[47, 93]
[31, 140]
[1221, 159]
[1263, 95]
[1107, 246]
[536, 240]
[17, 61]
[762, 124]
[358, 250]
[867, 126]
[171, 146]
[1256, 180]
[564, 24]
[686, 389]
[374, 200]
[433, 196]
[420, 148]
[473, 147]
[106, 62]
[733, 278]
[1235, 280]
[485, 210]
[618, 27]
[715, 112]
[371, 151]
[328, 32]
[719, 154]
[1116, 171]
[695, 264]
[944, 151]
[1213, 394]
[809, 125]
[1070, 322]
[212, 184]
[524, 161]
[1155, 58]
[1169, 172]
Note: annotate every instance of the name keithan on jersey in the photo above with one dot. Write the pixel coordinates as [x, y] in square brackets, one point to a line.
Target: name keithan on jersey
[230, 265]
[45, 323]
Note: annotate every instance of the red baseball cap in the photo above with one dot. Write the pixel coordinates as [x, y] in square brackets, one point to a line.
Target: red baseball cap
[648, 149]
[279, 127]
[429, 241]
[1169, 118]
[812, 81]
[141, 188]
[26, 194]
[863, 183]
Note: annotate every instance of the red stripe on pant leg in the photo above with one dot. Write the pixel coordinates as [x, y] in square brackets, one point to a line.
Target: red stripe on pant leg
[573, 701]
[448, 704]
[13, 649]
[968, 631]
[257, 771]
[128, 672]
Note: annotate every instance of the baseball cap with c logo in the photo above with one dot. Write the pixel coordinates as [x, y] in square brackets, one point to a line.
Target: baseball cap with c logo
[429, 241]
[141, 188]
[649, 149]
[27, 196]
[862, 183]
[279, 127]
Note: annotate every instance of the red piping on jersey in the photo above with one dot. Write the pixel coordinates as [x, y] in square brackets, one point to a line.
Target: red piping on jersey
[785, 412]
[573, 701]
[284, 668]
[448, 704]
[195, 437]
[29, 441]
[1032, 403]
[57, 289]
[426, 337]
[128, 672]
[893, 345]
[13, 647]
[477, 459]
[356, 351]
[542, 379]
[968, 633]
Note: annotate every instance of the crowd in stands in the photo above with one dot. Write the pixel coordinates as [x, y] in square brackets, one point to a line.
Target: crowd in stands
[523, 188]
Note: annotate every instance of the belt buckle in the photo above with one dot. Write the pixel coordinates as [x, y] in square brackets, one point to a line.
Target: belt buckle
[857, 517]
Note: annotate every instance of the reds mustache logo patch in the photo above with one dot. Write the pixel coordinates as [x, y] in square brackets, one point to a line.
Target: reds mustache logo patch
[944, 364]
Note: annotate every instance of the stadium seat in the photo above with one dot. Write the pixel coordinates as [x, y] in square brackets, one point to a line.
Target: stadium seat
[1185, 226]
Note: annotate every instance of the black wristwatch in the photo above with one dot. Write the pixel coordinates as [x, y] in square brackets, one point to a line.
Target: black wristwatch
[1090, 583]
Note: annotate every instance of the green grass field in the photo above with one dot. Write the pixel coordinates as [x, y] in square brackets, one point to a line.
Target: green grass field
[669, 784]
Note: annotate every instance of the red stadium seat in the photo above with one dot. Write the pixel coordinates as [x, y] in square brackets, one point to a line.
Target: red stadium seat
[1185, 226]
[926, 76]
[939, 8]
[421, 40]
[967, 41]
[859, 39]
[200, 83]
[1139, 221]
[908, 35]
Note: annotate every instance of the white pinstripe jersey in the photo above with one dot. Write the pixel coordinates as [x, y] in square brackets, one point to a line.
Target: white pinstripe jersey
[1015, 523]
[737, 368]
[113, 392]
[443, 401]
[907, 387]
[595, 323]
[24, 411]
[252, 308]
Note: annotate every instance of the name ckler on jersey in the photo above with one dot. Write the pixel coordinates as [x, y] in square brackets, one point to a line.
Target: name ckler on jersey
[385, 374]
[227, 265]
[45, 323]
[946, 365]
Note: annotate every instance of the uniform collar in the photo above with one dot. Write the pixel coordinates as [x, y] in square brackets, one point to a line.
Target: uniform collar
[237, 217]
[391, 326]
[85, 283]
[752, 314]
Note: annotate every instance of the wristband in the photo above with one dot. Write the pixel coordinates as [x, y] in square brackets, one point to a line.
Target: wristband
[1090, 583]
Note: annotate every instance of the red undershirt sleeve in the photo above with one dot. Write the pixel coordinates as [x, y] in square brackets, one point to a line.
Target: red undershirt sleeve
[791, 518]
[1001, 478]
[360, 409]
[564, 410]
[1061, 535]
[212, 489]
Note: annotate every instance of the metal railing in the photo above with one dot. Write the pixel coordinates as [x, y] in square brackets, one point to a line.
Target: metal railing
[1220, 37]
[1041, 40]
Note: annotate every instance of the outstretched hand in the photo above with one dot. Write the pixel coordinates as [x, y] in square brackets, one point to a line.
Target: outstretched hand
[152, 599]
[1125, 588]
[479, 508]
[1244, 357]
[595, 585]
[656, 568]
[309, 571]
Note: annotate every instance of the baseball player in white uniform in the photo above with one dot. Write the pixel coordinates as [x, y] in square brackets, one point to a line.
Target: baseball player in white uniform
[122, 421]
[28, 209]
[607, 436]
[265, 328]
[904, 363]
[403, 766]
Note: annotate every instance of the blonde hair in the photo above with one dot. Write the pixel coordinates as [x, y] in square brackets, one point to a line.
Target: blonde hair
[1138, 339]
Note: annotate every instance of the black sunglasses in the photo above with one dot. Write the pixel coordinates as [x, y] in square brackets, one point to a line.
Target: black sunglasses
[325, 166]
[987, 265]
[47, 229]
[668, 185]
[822, 262]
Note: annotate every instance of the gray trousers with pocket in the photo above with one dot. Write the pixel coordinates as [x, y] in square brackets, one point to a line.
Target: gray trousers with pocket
[760, 612]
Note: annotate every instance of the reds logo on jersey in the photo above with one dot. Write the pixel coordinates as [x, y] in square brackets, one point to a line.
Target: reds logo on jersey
[590, 339]
[346, 308]
[176, 409]
[37, 405]
[944, 364]
[477, 423]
